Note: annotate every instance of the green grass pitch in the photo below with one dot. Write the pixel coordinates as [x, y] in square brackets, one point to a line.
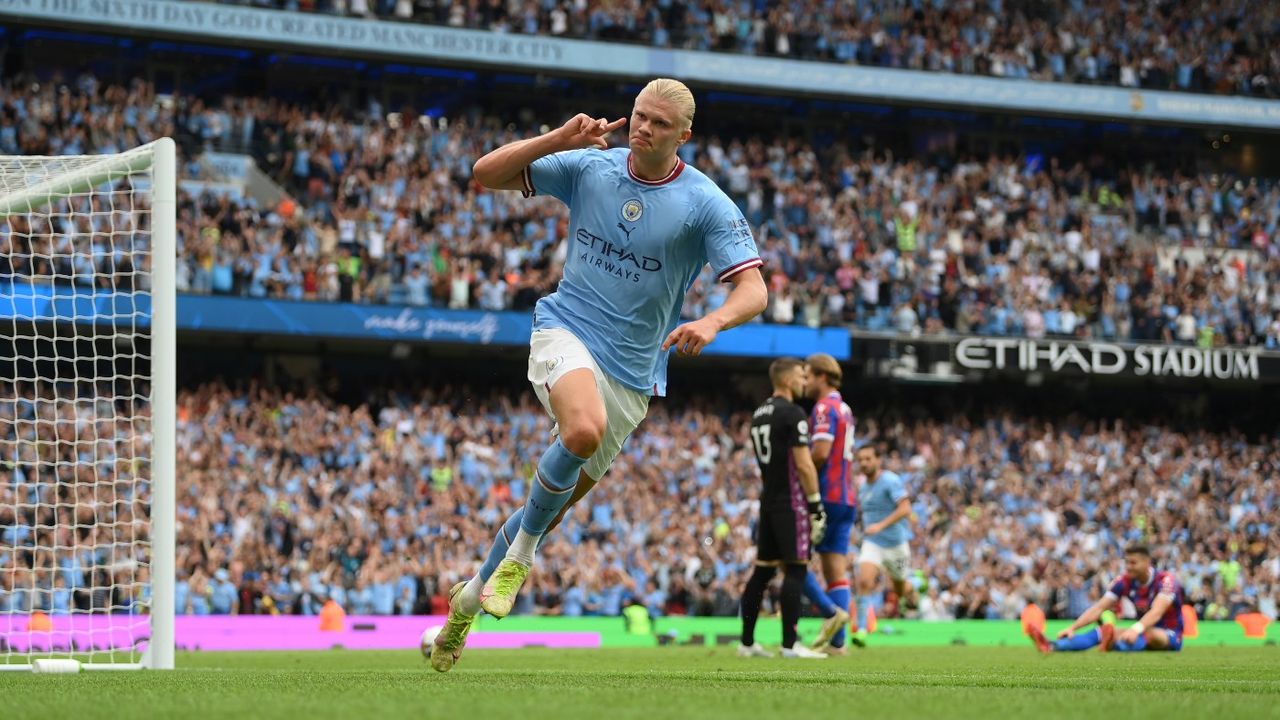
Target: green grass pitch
[952, 683]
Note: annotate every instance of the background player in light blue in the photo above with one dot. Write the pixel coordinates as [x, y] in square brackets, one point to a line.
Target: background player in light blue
[642, 226]
[885, 507]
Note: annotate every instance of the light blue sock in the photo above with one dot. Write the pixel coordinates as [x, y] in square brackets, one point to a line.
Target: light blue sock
[1080, 641]
[813, 590]
[1136, 646]
[864, 603]
[840, 596]
[501, 542]
[557, 475]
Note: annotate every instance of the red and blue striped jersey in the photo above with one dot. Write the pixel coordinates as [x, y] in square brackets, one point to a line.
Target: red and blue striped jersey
[1142, 596]
[833, 420]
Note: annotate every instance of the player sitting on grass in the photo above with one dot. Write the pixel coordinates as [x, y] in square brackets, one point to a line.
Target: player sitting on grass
[1156, 596]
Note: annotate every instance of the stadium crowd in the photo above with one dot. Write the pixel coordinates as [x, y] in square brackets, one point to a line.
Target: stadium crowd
[1224, 47]
[287, 499]
[384, 211]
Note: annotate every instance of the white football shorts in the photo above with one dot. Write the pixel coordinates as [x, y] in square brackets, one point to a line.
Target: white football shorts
[895, 560]
[553, 353]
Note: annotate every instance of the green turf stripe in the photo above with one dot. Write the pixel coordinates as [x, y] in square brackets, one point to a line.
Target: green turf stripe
[890, 633]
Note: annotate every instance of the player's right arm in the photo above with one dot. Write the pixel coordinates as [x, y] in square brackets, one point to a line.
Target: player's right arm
[503, 169]
[1168, 593]
[1090, 616]
[808, 473]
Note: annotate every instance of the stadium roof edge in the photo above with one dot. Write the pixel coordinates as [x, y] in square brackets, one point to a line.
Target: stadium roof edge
[324, 34]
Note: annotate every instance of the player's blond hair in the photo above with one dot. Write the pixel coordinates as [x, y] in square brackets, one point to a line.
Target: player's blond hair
[676, 93]
[827, 365]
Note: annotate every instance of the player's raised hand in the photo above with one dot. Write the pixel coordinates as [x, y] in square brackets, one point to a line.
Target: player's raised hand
[584, 131]
[691, 337]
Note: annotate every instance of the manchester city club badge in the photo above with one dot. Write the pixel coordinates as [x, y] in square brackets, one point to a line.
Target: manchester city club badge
[632, 210]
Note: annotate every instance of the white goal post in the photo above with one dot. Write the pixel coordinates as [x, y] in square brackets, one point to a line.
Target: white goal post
[87, 410]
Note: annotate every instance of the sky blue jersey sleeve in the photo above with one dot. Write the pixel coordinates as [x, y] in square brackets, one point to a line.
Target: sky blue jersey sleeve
[555, 175]
[727, 238]
[897, 489]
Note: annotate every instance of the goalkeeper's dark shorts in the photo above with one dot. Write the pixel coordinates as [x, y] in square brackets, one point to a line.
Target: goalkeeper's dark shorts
[782, 535]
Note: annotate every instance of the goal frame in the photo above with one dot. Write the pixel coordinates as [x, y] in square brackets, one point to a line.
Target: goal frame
[160, 157]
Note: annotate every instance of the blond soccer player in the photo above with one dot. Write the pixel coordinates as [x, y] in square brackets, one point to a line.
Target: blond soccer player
[642, 225]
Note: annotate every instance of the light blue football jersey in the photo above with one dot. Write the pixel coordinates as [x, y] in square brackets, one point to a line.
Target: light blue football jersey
[635, 248]
[878, 501]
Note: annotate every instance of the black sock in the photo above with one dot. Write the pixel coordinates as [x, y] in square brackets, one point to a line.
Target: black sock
[751, 598]
[792, 589]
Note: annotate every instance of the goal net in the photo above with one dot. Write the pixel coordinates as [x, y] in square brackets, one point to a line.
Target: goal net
[87, 410]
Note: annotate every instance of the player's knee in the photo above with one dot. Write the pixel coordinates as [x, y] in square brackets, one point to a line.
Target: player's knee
[866, 582]
[582, 436]
[1157, 639]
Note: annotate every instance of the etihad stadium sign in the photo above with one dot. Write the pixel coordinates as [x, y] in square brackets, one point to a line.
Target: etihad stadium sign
[1102, 358]
[950, 359]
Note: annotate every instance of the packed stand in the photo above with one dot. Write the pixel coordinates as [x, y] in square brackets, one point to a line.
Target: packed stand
[288, 499]
[74, 495]
[1227, 47]
[385, 211]
[1008, 512]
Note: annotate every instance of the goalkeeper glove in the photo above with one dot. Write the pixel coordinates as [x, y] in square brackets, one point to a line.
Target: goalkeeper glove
[817, 519]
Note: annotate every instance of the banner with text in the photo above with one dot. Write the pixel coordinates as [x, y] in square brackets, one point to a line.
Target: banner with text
[1103, 358]
[23, 301]
[936, 358]
[368, 38]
